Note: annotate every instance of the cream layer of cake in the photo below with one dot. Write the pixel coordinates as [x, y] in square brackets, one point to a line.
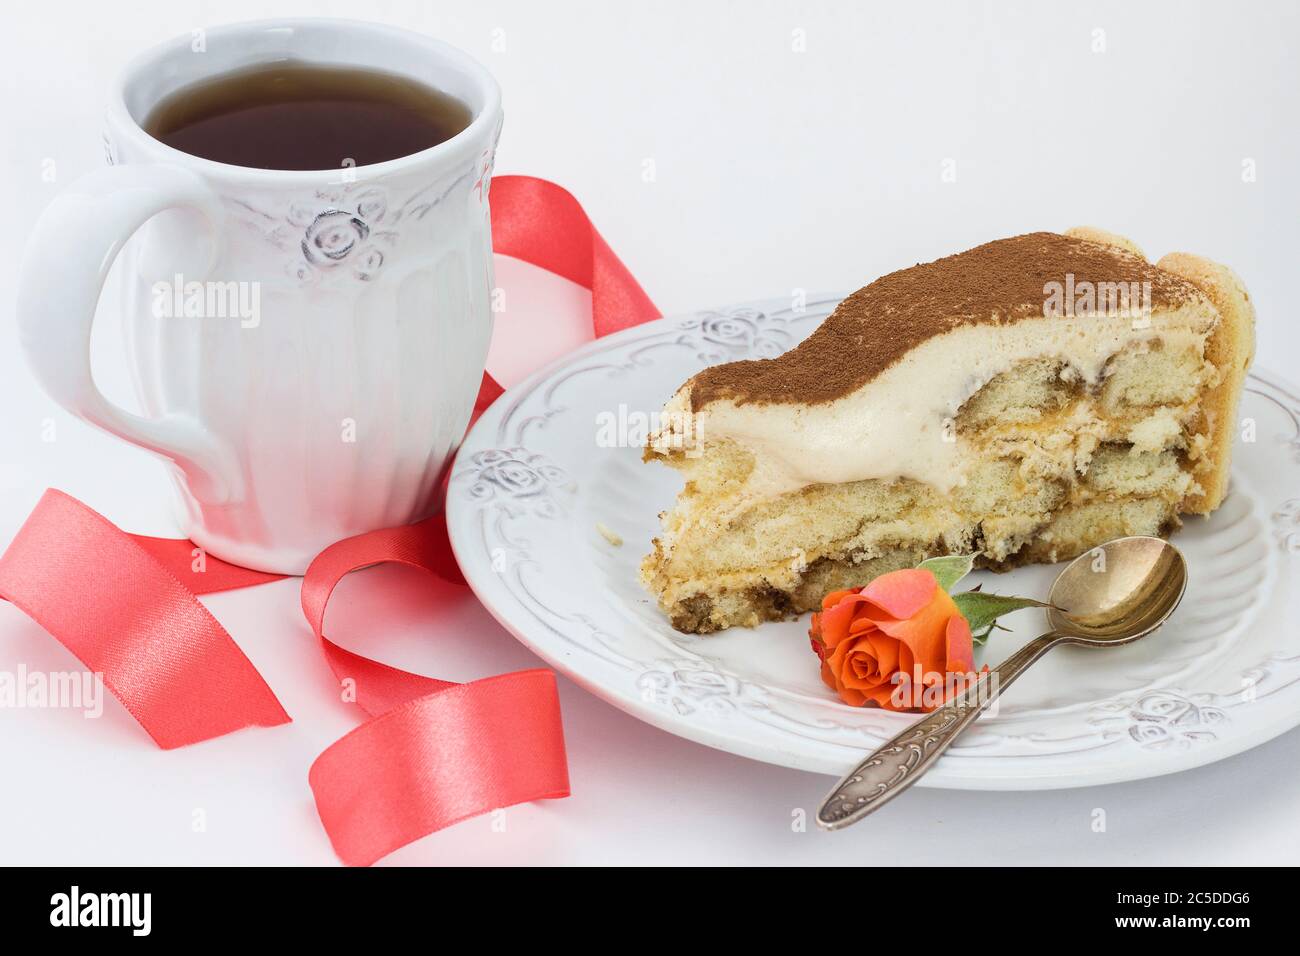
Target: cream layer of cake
[902, 424]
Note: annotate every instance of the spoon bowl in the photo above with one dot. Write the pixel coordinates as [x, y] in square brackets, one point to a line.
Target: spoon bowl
[1118, 592]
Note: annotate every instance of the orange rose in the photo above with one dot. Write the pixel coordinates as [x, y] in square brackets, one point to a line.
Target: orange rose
[902, 623]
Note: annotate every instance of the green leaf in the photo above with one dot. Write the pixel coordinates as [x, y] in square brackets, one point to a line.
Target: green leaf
[982, 610]
[949, 569]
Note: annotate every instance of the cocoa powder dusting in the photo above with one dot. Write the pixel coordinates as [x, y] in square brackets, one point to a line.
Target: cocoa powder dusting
[997, 282]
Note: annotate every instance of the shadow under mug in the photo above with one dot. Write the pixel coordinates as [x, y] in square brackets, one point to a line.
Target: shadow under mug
[306, 346]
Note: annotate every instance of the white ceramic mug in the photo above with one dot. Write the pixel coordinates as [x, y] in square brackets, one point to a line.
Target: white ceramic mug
[332, 326]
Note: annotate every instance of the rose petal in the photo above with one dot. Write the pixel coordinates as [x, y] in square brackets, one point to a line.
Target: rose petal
[834, 598]
[837, 621]
[834, 623]
[886, 650]
[925, 632]
[842, 664]
[863, 667]
[861, 625]
[961, 647]
[901, 594]
[882, 696]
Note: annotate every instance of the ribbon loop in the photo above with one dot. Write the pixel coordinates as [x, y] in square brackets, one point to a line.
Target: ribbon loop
[435, 751]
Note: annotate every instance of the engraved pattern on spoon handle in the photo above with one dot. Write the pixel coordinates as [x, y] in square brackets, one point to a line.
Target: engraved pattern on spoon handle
[899, 763]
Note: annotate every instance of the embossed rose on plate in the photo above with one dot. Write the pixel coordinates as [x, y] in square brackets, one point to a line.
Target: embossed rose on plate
[739, 331]
[1166, 719]
[689, 685]
[518, 478]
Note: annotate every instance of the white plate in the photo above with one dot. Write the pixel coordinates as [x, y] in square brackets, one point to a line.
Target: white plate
[536, 476]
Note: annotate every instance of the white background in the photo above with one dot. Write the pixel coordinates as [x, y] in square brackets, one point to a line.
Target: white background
[774, 170]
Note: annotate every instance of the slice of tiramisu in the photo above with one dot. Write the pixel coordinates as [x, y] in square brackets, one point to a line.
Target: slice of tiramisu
[1027, 399]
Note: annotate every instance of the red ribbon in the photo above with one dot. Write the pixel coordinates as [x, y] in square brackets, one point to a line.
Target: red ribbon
[436, 752]
[126, 615]
[546, 226]
[433, 752]
[542, 223]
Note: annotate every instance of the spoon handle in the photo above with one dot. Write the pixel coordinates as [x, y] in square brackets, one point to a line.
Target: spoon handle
[899, 763]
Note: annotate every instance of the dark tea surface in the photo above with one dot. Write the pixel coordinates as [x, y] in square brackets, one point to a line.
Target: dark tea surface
[306, 116]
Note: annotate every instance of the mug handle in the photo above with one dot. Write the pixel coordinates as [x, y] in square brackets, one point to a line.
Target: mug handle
[68, 257]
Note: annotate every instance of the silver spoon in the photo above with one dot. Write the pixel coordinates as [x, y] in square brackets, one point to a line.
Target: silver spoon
[1111, 595]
